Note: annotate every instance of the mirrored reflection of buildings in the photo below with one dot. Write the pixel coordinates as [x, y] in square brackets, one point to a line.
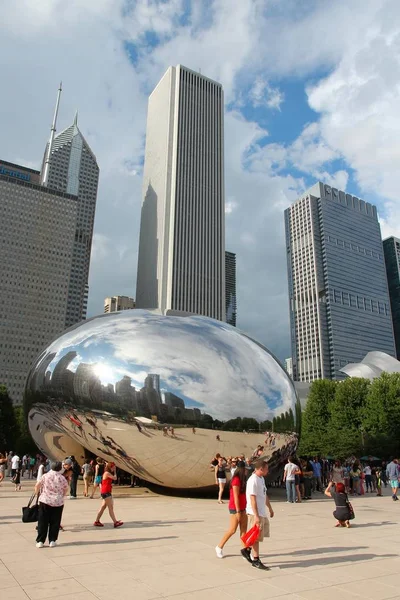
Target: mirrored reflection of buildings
[116, 303]
[83, 389]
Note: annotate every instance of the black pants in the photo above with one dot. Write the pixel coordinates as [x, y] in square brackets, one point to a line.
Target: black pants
[49, 522]
[72, 487]
[307, 487]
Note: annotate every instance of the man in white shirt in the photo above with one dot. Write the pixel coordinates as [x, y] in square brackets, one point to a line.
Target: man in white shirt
[289, 475]
[14, 464]
[257, 501]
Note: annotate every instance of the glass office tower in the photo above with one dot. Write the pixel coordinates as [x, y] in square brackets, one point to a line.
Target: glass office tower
[391, 248]
[338, 292]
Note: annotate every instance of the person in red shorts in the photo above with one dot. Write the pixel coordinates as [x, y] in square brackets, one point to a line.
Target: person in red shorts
[237, 506]
[109, 476]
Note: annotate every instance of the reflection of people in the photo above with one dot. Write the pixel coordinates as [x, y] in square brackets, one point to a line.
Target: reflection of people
[109, 476]
[220, 478]
[257, 501]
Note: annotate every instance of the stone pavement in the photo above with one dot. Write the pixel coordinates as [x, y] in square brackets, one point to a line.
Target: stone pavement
[166, 550]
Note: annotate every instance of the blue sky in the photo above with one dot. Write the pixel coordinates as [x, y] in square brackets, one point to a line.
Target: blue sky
[311, 91]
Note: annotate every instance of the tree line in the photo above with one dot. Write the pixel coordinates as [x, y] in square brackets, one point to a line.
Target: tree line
[14, 432]
[352, 417]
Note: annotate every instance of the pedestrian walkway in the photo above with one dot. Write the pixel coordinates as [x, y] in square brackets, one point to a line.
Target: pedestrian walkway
[166, 550]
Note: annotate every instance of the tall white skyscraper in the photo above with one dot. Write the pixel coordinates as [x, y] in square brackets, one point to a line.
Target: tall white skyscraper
[181, 264]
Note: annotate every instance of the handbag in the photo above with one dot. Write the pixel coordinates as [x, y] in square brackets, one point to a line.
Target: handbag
[251, 536]
[30, 514]
[351, 510]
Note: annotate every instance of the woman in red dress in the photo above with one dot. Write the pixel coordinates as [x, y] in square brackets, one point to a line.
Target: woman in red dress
[237, 506]
[109, 476]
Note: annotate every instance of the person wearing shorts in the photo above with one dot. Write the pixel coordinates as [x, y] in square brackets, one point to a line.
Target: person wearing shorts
[257, 502]
[392, 473]
[220, 478]
[109, 476]
[98, 475]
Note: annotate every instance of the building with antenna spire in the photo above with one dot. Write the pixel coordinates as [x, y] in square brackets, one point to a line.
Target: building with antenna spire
[47, 221]
[70, 166]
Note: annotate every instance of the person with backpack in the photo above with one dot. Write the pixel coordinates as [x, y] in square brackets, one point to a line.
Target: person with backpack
[76, 471]
[98, 475]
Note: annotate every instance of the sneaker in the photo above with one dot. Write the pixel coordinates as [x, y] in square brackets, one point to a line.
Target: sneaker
[245, 552]
[219, 552]
[259, 565]
[98, 524]
[39, 545]
[53, 544]
[118, 524]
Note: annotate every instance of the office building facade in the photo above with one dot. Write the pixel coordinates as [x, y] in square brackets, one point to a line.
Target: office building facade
[115, 303]
[72, 168]
[338, 293]
[230, 288]
[181, 264]
[36, 248]
[391, 248]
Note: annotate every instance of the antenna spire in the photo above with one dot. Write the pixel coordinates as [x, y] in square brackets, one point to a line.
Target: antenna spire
[45, 174]
[76, 118]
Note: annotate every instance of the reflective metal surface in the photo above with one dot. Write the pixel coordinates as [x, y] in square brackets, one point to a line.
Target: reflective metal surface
[115, 384]
[372, 365]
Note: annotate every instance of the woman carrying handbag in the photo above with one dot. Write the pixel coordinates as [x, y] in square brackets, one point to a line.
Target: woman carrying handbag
[51, 489]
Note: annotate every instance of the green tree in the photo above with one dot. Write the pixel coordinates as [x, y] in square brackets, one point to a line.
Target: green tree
[316, 417]
[381, 416]
[24, 442]
[8, 424]
[345, 433]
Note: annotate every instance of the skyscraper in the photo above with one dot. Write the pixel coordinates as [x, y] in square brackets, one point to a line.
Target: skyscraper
[230, 288]
[115, 303]
[181, 264]
[338, 293]
[391, 248]
[70, 166]
[36, 245]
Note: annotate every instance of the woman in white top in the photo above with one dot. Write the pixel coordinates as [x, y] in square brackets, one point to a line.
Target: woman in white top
[41, 469]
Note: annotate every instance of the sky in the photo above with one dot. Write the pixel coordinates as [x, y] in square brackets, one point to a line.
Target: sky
[312, 92]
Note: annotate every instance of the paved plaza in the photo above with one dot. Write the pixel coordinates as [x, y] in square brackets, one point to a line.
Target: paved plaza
[166, 550]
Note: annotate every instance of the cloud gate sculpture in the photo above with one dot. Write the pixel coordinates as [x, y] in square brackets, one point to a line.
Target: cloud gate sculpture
[154, 393]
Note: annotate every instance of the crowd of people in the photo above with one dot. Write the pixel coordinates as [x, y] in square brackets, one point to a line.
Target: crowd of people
[246, 476]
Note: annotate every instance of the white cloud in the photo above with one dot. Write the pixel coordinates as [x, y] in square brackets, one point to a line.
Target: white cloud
[264, 94]
[83, 43]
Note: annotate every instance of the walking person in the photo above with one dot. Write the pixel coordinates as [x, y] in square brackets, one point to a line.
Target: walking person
[317, 470]
[15, 464]
[392, 474]
[51, 489]
[237, 506]
[342, 511]
[289, 476]
[109, 476]
[3, 464]
[98, 475]
[17, 478]
[257, 502]
[220, 478]
[87, 473]
[76, 471]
